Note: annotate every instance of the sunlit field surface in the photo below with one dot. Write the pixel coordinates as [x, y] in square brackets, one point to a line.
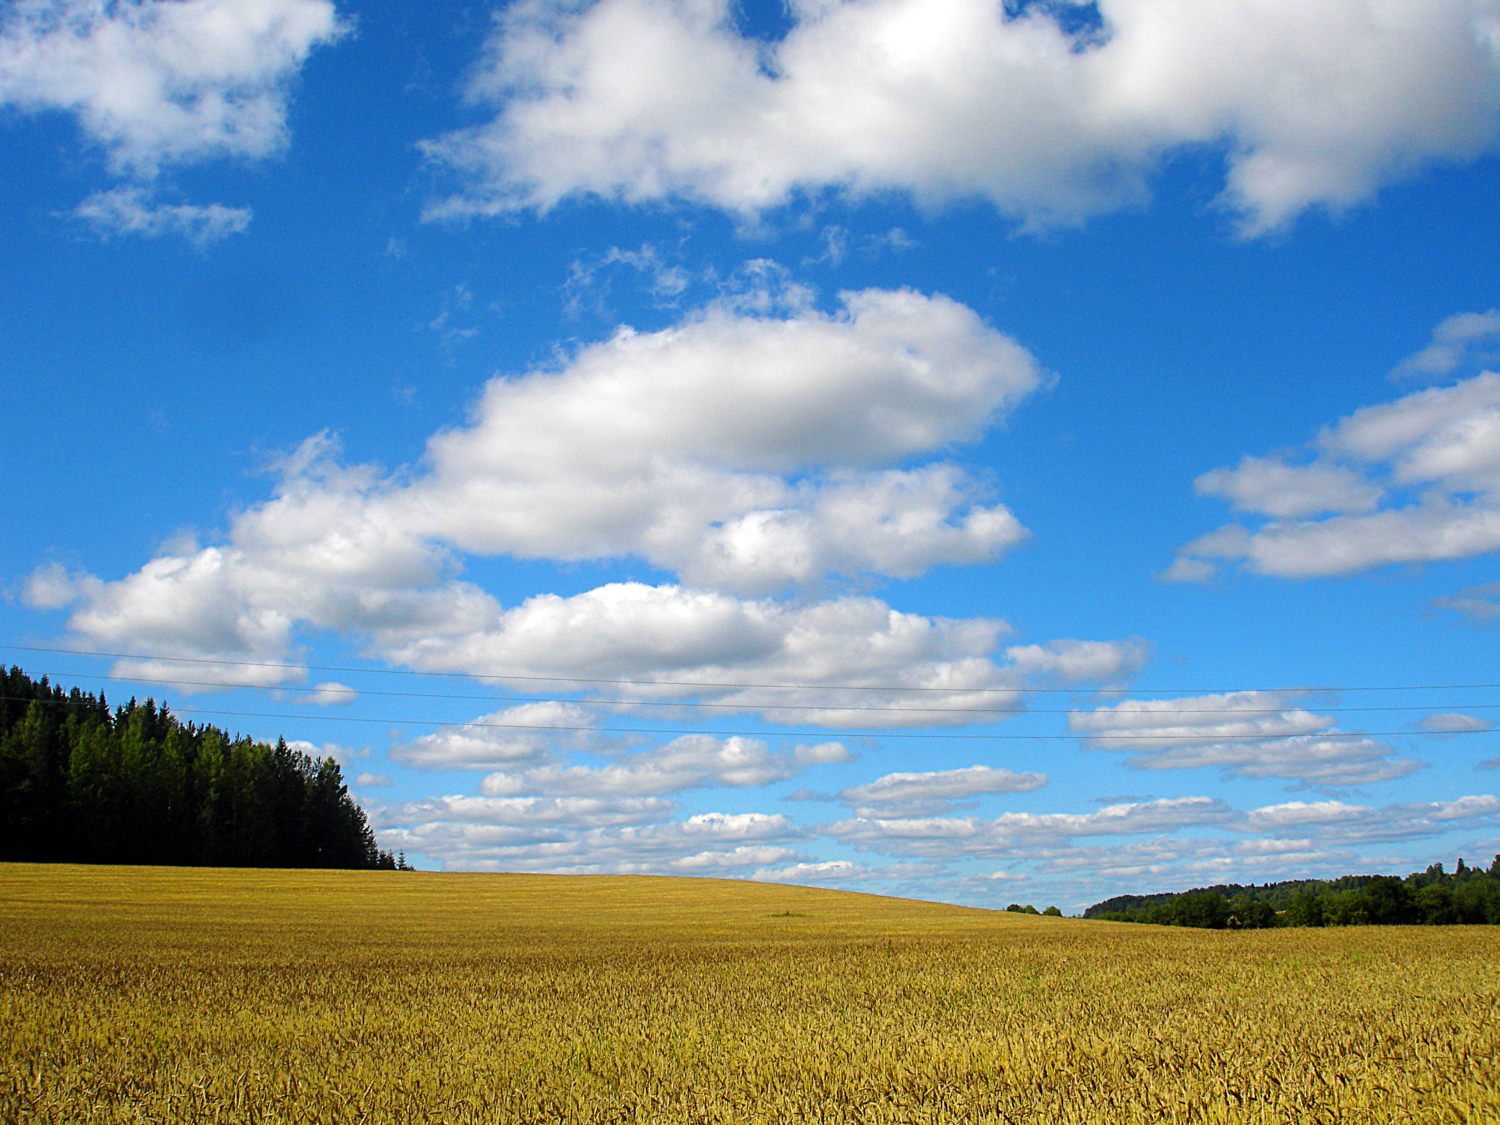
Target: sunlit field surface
[177, 995]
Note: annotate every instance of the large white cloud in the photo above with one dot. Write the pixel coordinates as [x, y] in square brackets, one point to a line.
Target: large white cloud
[157, 82]
[649, 99]
[678, 643]
[747, 451]
[1415, 480]
[1254, 734]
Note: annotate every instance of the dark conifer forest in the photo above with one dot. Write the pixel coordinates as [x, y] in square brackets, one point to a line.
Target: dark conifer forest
[82, 783]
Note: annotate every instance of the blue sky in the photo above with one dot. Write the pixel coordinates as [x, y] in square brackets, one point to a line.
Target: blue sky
[983, 453]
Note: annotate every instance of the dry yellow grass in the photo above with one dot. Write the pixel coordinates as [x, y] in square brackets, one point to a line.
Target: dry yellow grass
[172, 995]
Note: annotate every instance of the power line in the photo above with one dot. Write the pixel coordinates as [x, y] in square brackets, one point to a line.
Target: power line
[522, 699]
[720, 684]
[821, 734]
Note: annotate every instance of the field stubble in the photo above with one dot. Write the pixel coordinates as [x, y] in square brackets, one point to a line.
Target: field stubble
[174, 995]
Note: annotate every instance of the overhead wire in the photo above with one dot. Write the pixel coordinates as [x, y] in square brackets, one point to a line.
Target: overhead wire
[354, 693]
[1101, 736]
[748, 685]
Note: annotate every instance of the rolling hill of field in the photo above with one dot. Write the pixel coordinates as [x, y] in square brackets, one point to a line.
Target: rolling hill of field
[169, 994]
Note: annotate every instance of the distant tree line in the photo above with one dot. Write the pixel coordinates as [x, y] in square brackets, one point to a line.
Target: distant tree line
[1464, 896]
[1017, 908]
[81, 783]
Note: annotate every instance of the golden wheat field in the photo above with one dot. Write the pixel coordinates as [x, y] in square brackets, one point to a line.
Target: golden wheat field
[177, 995]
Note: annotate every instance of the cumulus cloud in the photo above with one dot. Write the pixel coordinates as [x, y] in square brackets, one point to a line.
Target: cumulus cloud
[642, 100]
[729, 843]
[1080, 661]
[521, 820]
[1244, 734]
[694, 761]
[1012, 833]
[1135, 724]
[157, 82]
[746, 452]
[680, 447]
[1194, 840]
[330, 695]
[919, 794]
[550, 815]
[515, 735]
[1338, 824]
[750, 452]
[1459, 340]
[1416, 480]
[828, 871]
[345, 756]
[1182, 842]
[1269, 486]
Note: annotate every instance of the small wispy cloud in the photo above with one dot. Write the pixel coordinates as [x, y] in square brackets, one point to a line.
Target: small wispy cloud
[132, 211]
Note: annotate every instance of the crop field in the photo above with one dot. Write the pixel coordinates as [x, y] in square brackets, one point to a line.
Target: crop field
[178, 995]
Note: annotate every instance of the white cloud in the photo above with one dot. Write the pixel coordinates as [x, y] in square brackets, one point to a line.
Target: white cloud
[694, 761]
[538, 817]
[750, 451]
[1297, 816]
[1448, 436]
[1081, 661]
[648, 99]
[372, 781]
[157, 82]
[1453, 723]
[1328, 762]
[1187, 842]
[920, 794]
[1137, 724]
[133, 211]
[1455, 342]
[345, 756]
[1015, 833]
[1269, 486]
[1479, 603]
[515, 735]
[922, 671]
[330, 695]
[747, 452]
[1333, 823]
[1244, 734]
[679, 447]
[746, 855]
[1431, 458]
[828, 871]
[583, 839]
